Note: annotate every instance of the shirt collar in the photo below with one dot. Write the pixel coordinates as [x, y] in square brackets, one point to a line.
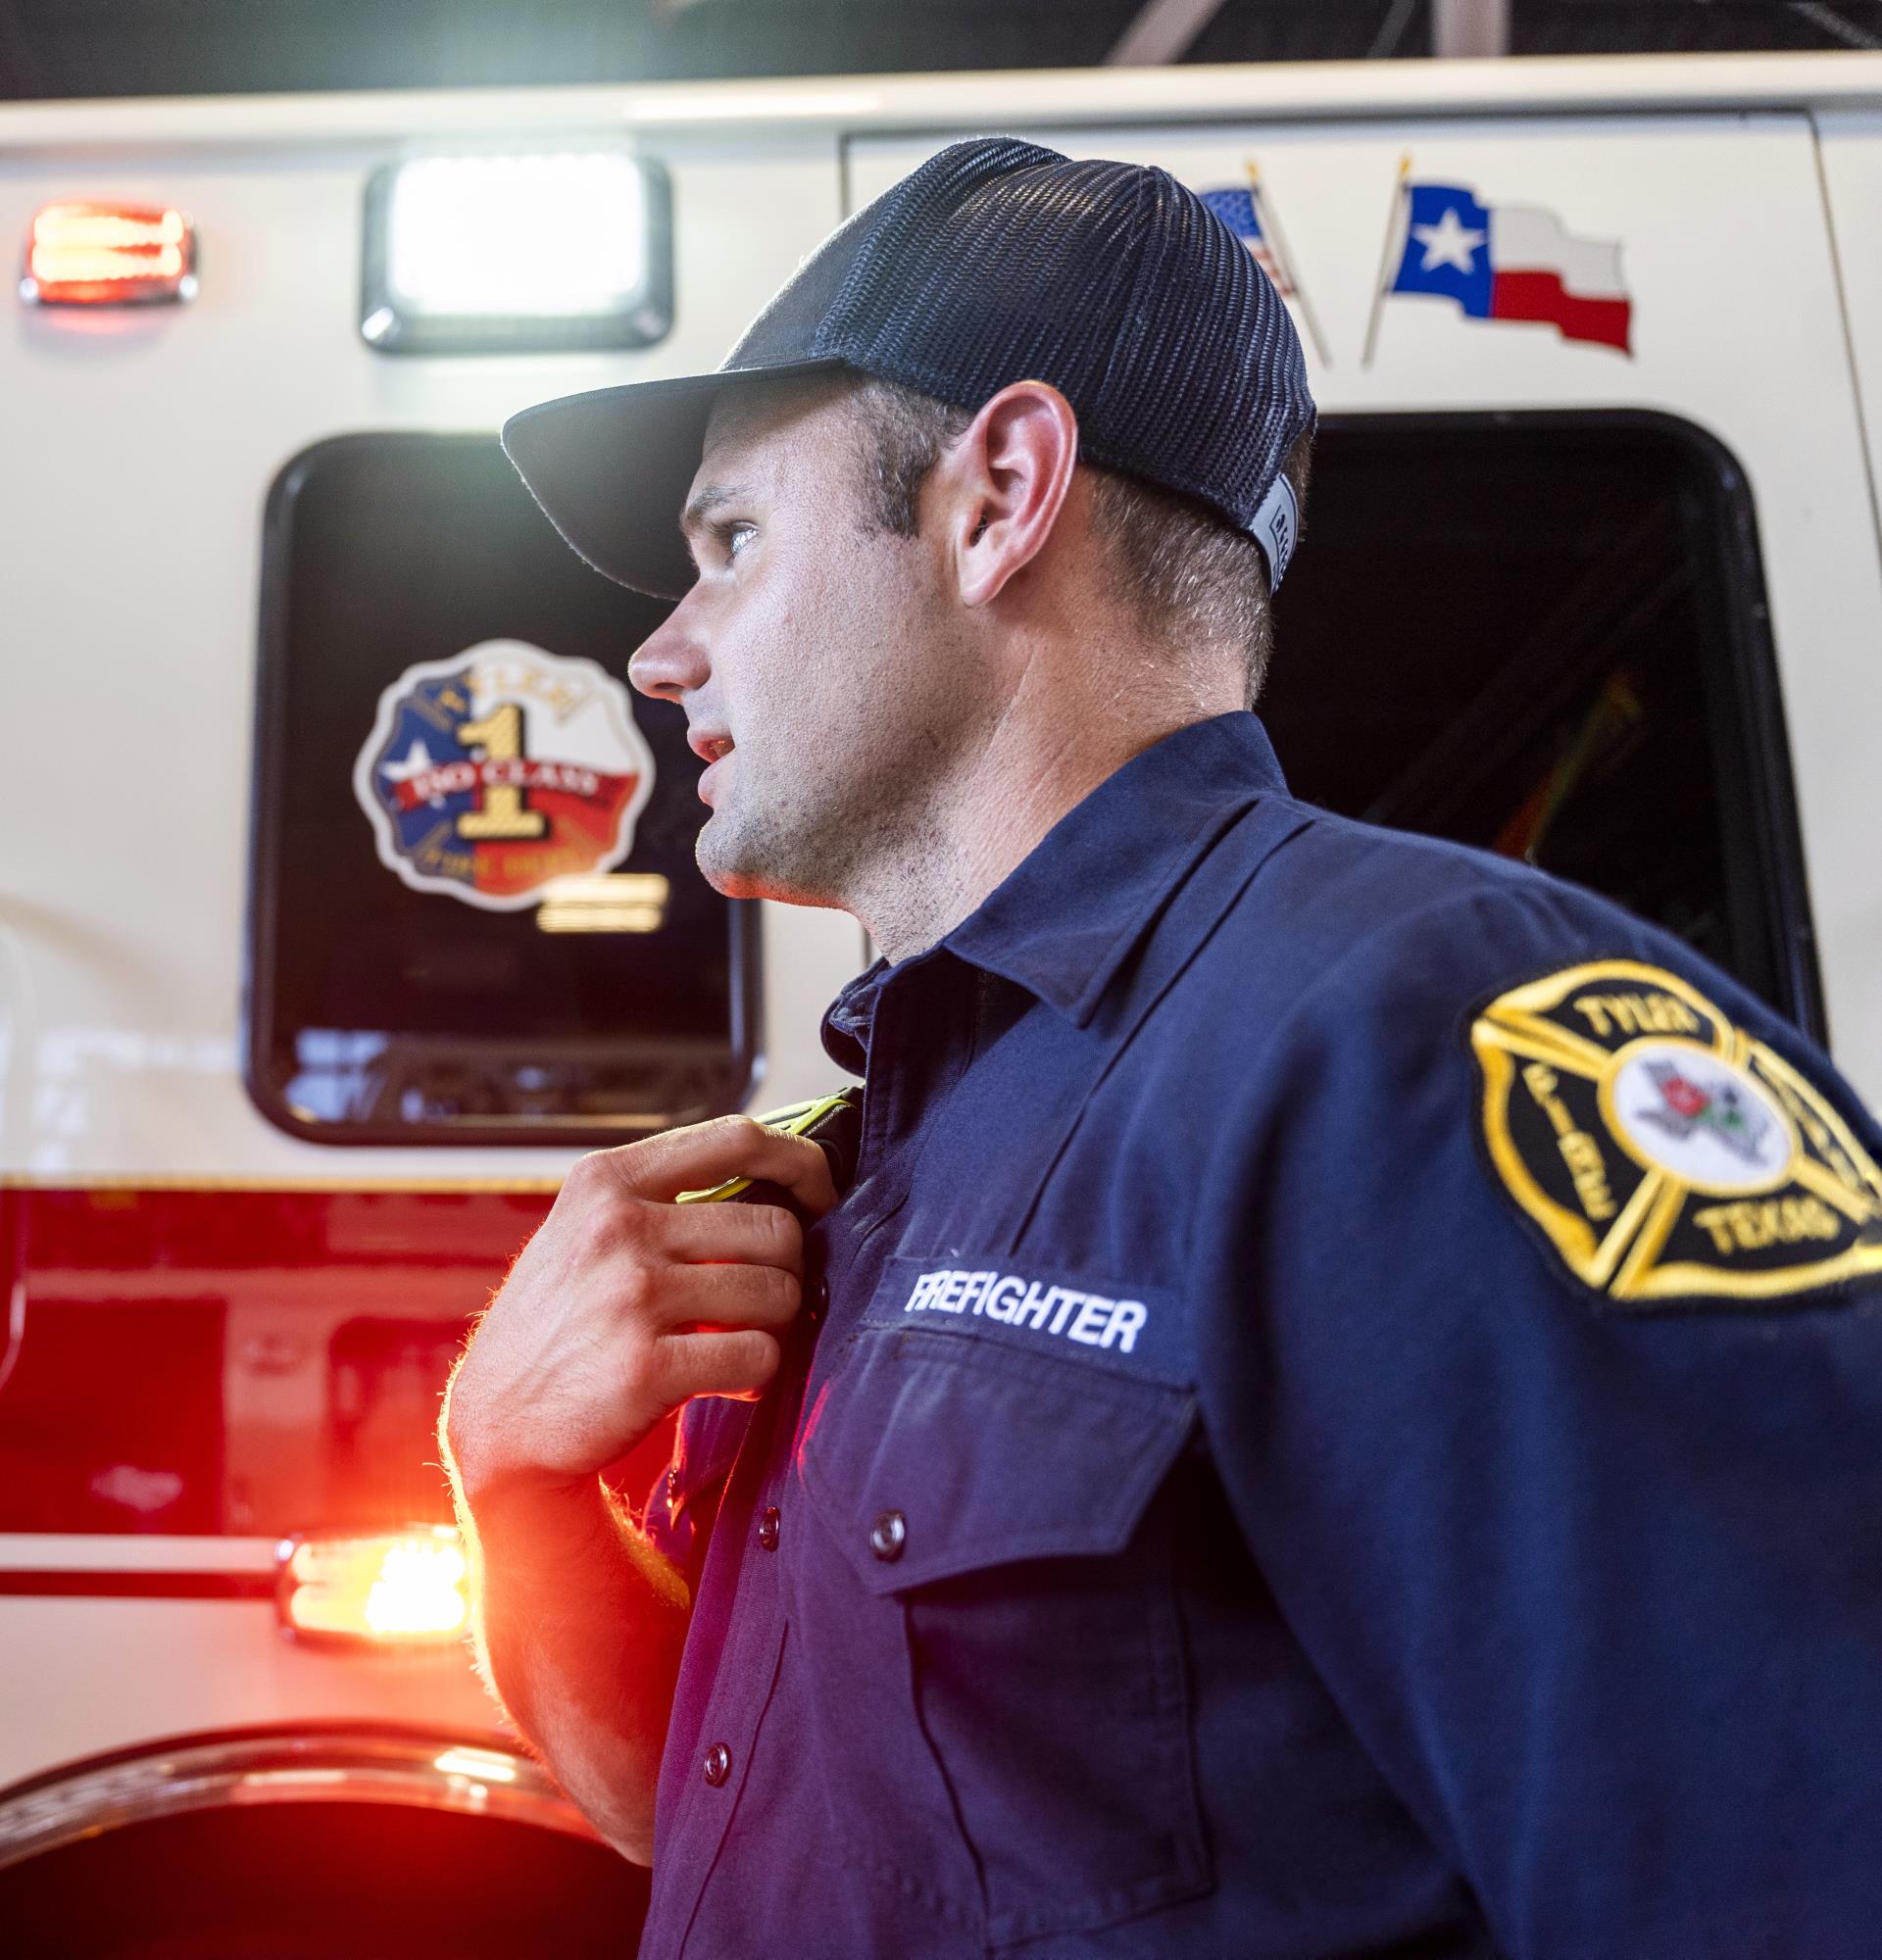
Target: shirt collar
[1065, 919]
[847, 1019]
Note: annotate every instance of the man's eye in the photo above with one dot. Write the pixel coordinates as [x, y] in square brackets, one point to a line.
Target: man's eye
[737, 537]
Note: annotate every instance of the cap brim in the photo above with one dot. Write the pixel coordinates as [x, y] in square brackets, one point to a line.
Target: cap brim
[611, 469]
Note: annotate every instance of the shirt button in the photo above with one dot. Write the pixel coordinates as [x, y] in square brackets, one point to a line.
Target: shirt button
[717, 1765]
[819, 1300]
[888, 1535]
[768, 1528]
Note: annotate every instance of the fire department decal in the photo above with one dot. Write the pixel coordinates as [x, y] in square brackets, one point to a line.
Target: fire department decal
[488, 775]
[1663, 1153]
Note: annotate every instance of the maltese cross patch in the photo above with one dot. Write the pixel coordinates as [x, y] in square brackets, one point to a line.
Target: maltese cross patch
[1665, 1153]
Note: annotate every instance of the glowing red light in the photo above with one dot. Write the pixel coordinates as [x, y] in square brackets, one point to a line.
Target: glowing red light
[109, 255]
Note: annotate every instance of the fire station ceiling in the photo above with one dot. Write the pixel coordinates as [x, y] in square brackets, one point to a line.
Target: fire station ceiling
[60, 48]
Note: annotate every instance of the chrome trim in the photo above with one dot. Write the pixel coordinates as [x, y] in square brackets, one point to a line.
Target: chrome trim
[126, 1552]
[474, 1777]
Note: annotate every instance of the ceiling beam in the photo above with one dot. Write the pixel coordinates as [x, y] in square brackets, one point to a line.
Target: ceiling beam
[1163, 31]
[1835, 25]
[1467, 28]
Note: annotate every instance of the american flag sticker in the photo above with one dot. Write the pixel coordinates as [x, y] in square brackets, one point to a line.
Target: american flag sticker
[1249, 212]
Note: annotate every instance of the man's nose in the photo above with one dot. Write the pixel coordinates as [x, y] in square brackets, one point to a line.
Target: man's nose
[671, 662]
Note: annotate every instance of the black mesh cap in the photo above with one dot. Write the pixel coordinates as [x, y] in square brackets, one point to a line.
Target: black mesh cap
[996, 261]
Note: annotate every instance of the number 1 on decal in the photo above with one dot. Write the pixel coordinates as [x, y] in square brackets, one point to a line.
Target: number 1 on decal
[500, 735]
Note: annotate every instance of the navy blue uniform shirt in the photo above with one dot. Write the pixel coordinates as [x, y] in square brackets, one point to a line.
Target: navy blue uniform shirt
[1339, 1417]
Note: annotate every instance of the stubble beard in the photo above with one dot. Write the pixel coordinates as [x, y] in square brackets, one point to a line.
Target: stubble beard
[838, 836]
[790, 848]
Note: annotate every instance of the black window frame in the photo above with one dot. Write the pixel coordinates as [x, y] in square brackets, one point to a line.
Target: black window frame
[1776, 896]
[258, 1027]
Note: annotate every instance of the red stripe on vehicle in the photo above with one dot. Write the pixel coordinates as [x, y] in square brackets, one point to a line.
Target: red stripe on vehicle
[242, 1362]
[54, 1584]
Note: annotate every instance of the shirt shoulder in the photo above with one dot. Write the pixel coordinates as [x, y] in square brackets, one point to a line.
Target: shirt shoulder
[1482, 1047]
[1342, 891]
[1353, 918]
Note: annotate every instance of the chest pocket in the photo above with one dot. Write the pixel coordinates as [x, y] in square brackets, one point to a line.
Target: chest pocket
[1007, 1502]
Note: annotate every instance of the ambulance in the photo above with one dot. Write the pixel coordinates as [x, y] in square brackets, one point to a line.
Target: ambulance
[347, 893]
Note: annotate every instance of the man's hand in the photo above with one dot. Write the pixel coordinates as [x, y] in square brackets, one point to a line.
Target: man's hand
[624, 1304]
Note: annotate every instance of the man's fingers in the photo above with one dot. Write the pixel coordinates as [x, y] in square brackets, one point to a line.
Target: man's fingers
[729, 1295]
[736, 1363]
[753, 1234]
[708, 1154]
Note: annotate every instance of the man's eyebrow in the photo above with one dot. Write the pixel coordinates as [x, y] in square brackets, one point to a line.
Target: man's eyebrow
[706, 501]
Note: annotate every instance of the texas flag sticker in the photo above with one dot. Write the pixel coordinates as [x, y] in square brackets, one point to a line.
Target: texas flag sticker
[1502, 261]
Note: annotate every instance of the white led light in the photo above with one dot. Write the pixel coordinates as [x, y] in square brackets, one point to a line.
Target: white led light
[552, 236]
[488, 252]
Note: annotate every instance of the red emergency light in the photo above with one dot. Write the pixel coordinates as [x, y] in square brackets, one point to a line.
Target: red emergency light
[388, 1589]
[109, 255]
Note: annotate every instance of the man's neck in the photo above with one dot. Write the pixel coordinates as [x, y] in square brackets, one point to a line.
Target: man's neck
[991, 817]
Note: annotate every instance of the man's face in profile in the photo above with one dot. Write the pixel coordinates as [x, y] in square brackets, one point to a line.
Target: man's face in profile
[812, 655]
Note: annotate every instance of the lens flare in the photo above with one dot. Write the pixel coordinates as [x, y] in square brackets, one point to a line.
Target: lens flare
[397, 1589]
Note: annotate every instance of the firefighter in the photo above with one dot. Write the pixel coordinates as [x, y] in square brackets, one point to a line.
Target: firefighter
[1339, 1412]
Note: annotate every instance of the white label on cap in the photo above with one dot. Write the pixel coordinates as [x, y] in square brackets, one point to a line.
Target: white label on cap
[1277, 525]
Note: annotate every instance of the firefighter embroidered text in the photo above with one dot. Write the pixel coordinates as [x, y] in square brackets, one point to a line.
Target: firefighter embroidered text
[1049, 1309]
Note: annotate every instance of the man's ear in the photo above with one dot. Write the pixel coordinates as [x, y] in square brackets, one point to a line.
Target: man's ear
[1003, 483]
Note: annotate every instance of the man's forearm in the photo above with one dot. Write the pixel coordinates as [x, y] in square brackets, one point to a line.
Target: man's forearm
[579, 1626]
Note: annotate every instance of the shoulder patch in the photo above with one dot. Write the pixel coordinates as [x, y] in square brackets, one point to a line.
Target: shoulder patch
[1665, 1153]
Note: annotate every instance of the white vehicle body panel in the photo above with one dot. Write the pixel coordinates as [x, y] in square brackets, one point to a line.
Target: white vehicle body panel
[108, 1673]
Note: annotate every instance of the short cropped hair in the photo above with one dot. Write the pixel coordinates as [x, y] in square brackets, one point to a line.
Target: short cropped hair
[1191, 578]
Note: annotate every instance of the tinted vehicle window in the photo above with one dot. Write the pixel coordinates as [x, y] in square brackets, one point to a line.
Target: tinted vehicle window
[1546, 635]
[475, 915]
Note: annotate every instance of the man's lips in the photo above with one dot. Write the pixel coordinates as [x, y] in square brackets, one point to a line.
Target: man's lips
[711, 748]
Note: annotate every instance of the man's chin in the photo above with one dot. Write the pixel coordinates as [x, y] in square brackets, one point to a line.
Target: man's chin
[717, 867]
[727, 868]
[735, 885]
[735, 869]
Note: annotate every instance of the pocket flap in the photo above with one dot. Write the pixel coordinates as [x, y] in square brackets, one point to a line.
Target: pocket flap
[930, 1455]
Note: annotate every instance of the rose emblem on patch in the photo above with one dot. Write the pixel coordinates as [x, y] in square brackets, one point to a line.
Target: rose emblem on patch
[491, 774]
[1700, 1118]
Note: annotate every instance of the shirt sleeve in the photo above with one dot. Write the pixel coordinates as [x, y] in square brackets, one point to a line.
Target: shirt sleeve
[1592, 1568]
